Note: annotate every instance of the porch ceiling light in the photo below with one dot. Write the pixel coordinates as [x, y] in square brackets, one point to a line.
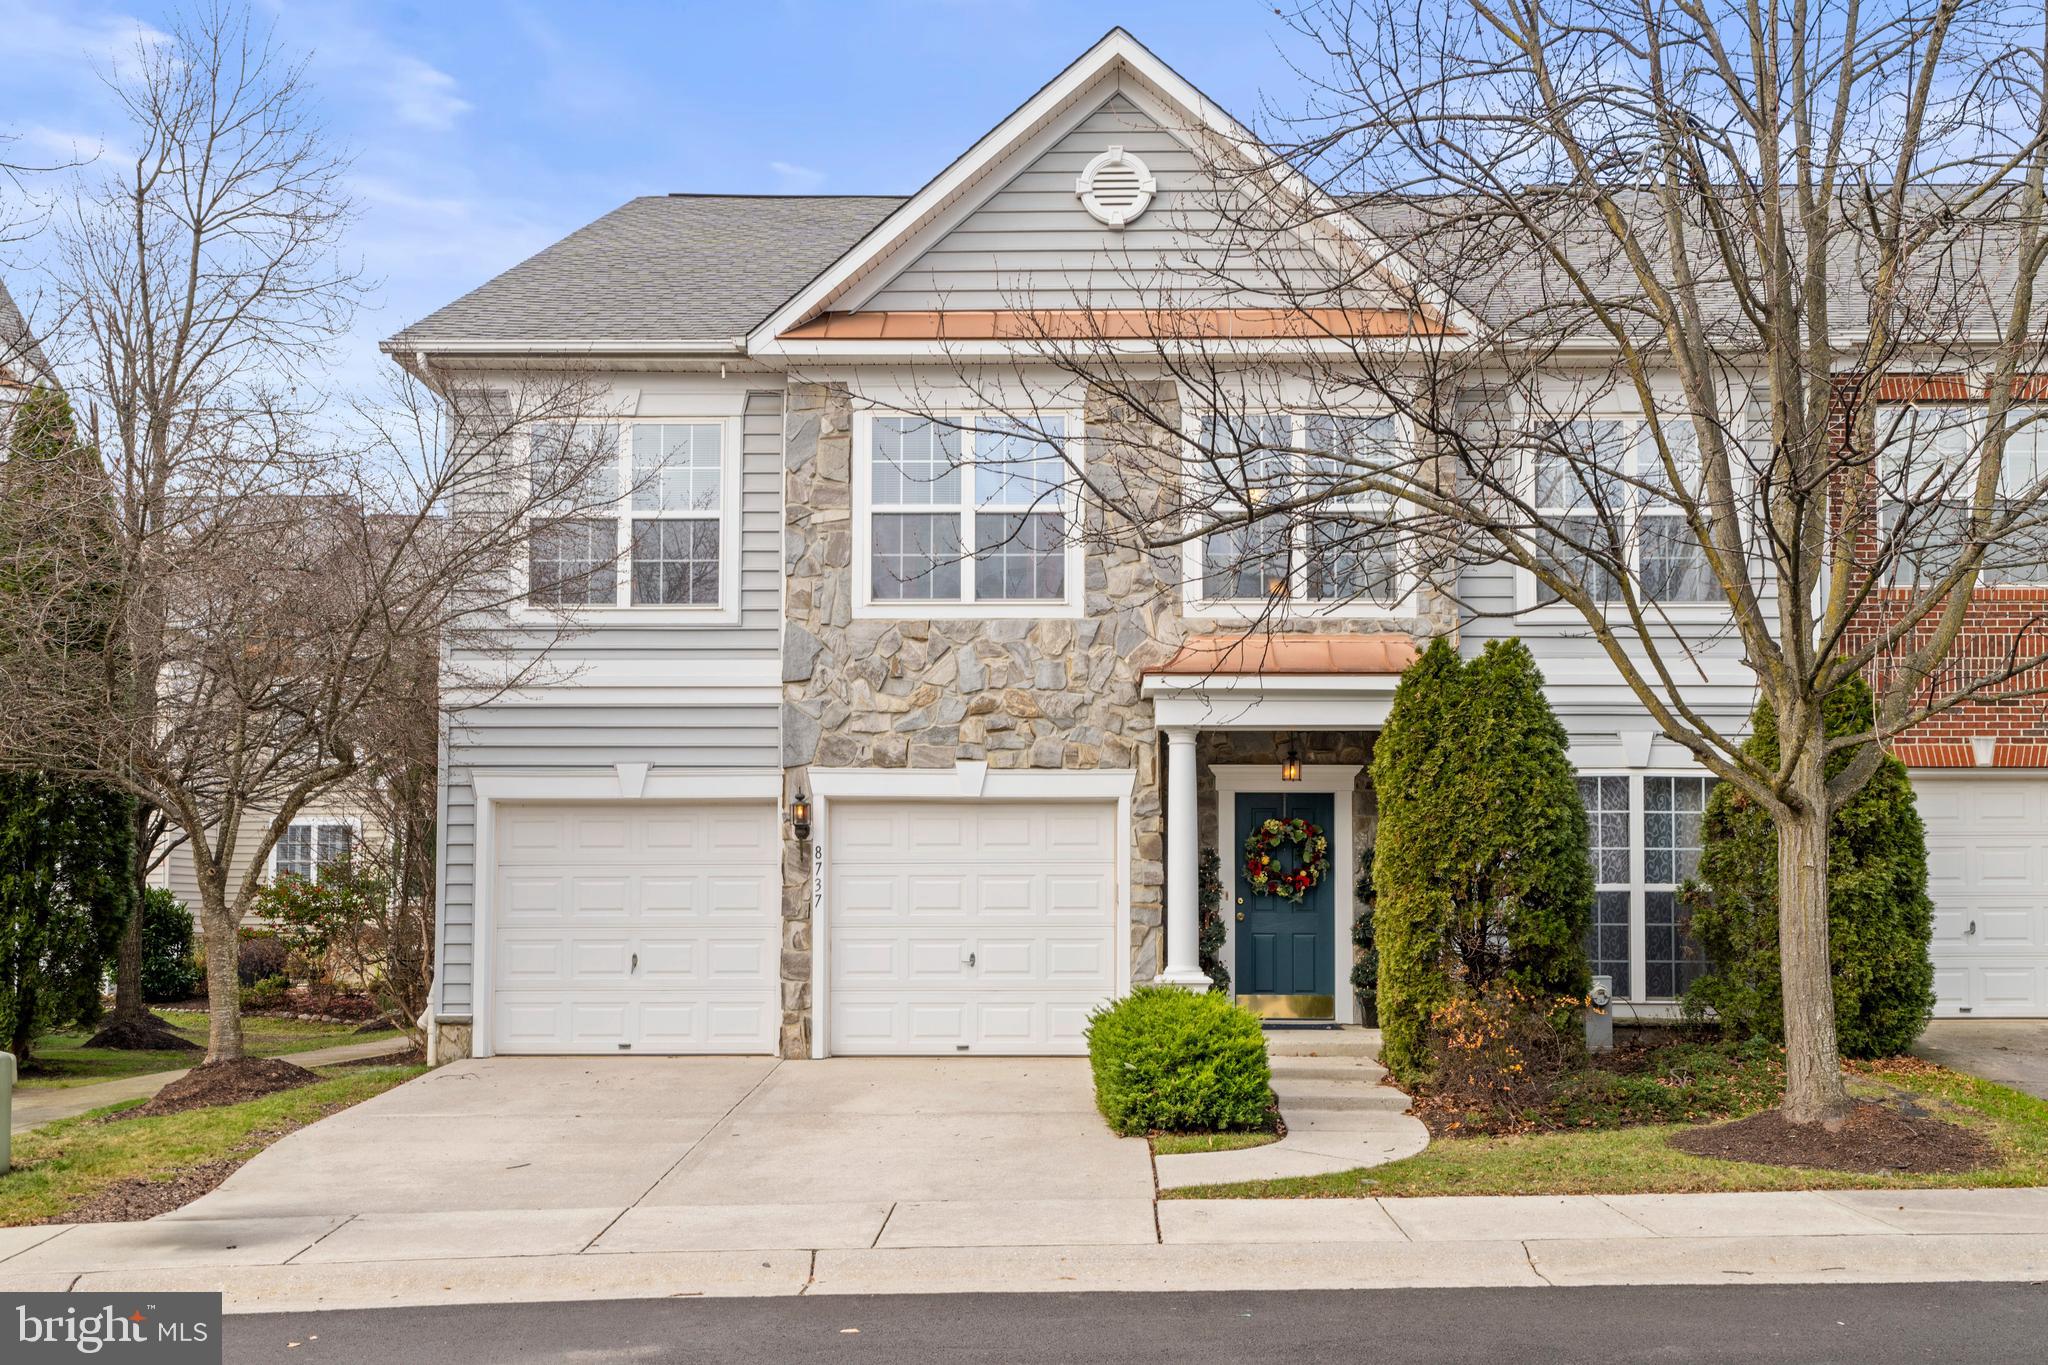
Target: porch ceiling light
[1290, 767]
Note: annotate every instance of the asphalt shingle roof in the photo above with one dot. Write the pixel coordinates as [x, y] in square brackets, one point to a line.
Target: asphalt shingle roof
[662, 268]
[21, 358]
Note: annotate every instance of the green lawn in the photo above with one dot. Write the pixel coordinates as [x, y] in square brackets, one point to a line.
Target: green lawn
[62, 1165]
[60, 1059]
[1639, 1161]
[1178, 1144]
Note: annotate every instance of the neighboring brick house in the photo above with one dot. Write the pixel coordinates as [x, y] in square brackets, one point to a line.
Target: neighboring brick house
[1012, 739]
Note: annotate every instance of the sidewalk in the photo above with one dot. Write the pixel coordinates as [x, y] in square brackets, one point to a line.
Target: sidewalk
[34, 1108]
[393, 1259]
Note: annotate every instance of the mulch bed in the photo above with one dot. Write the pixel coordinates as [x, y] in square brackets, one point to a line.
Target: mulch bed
[1877, 1138]
[139, 1197]
[147, 1034]
[236, 1082]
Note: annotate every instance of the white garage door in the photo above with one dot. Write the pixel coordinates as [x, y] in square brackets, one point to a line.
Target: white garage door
[635, 928]
[969, 928]
[1987, 869]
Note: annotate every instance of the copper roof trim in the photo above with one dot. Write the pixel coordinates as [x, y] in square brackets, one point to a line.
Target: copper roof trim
[1118, 324]
[1289, 655]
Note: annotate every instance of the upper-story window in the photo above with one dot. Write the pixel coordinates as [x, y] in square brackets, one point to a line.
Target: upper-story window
[1330, 545]
[1602, 486]
[647, 516]
[1927, 490]
[968, 511]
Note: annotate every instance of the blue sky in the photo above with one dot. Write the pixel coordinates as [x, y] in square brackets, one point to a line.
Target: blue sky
[484, 131]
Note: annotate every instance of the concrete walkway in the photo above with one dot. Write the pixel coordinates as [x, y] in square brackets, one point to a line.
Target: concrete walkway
[36, 1107]
[2011, 1052]
[1339, 1116]
[310, 1262]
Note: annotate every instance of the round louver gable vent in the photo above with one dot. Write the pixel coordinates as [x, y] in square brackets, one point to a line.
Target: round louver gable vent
[1115, 187]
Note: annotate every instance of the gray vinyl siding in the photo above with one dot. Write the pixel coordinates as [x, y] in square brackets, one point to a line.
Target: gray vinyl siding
[1032, 244]
[1594, 715]
[532, 736]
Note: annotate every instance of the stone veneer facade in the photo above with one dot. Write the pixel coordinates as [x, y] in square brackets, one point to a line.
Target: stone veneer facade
[1053, 693]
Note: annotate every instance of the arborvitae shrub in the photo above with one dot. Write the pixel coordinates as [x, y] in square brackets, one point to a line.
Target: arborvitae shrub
[1880, 919]
[1480, 863]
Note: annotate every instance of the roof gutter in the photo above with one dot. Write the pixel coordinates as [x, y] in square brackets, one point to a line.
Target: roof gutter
[406, 346]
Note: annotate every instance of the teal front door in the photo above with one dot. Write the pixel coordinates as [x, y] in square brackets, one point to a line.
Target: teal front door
[1286, 949]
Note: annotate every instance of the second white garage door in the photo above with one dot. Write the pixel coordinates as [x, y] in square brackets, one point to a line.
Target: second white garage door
[969, 928]
[636, 928]
[1987, 869]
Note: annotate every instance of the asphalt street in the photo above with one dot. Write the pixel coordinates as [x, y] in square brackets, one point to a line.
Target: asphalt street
[1865, 1324]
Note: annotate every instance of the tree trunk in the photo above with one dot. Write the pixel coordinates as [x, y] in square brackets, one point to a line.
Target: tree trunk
[223, 981]
[129, 1006]
[1813, 1070]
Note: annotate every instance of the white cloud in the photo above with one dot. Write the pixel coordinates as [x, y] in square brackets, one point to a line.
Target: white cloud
[793, 179]
[424, 96]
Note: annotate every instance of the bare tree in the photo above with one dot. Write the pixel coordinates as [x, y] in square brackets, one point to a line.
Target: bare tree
[277, 571]
[1716, 325]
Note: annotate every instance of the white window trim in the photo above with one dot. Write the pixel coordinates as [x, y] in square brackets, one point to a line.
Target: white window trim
[1196, 605]
[353, 824]
[1974, 425]
[1638, 886]
[726, 611]
[964, 608]
[1528, 594]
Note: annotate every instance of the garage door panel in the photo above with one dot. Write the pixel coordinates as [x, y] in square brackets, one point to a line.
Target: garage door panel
[619, 926]
[1027, 890]
[1987, 863]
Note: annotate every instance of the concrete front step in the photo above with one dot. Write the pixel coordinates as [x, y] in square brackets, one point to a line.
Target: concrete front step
[1356, 1069]
[1336, 1042]
[1379, 1098]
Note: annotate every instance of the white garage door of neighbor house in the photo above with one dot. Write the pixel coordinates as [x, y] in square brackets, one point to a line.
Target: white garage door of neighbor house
[635, 929]
[969, 928]
[1987, 869]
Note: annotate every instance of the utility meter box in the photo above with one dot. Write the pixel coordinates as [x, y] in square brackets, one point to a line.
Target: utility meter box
[1600, 1015]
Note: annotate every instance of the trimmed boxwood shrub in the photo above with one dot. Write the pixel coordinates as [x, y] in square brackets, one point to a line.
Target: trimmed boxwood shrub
[1170, 1060]
[1480, 861]
[169, 969]
[1880, 918]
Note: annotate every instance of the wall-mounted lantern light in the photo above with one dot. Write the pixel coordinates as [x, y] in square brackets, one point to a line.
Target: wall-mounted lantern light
[800, 817]
[1290, 767]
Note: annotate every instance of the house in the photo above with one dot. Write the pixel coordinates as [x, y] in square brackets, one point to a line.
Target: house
[850, 756]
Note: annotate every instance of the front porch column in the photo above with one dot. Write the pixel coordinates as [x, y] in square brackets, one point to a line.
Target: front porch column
[1183, 865]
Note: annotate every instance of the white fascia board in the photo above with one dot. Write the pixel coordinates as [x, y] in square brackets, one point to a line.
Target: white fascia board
[1222, 711]
[611, 784]
[971, 781]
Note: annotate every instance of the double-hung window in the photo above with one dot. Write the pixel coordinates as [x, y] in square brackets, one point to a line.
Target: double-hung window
[1927, 489]
[969, 510]
[1329, 542]
[1644, 836]
[640, 522]
[309, 846]
[1602, 492]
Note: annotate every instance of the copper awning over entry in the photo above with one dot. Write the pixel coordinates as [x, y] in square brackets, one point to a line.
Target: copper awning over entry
[1296, 655]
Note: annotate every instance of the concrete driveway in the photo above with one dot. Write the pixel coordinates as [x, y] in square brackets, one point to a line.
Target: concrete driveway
[2011, 1052]
[531, 1156]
